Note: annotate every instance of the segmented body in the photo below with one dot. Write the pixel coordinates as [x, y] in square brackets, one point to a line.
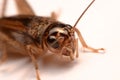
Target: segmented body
[32, 35]
[32, 30]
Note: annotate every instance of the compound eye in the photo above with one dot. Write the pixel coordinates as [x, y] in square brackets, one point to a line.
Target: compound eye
[52, 41]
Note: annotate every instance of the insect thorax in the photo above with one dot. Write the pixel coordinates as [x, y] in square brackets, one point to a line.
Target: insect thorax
[38, 26]
[49, 32]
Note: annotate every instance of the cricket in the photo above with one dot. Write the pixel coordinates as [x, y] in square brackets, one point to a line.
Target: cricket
[34, 36]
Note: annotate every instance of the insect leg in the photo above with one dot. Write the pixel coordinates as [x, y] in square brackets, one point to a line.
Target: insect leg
[55, 15]
[71, 55]
[3, 55]
[85, 45]
[3, 8]
[76, 44]
[24, 8]
[34, 62]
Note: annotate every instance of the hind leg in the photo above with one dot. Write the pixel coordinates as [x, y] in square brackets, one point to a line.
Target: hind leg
[24, 8]
[3, 8]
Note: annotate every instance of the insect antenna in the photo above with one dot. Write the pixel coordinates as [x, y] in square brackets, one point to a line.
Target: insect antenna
[80, 35]
[83, 13]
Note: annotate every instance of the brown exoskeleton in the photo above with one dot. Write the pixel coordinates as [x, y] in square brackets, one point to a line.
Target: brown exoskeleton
[34, 35]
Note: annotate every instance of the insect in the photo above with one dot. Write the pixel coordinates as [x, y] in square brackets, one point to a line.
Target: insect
[33, 35]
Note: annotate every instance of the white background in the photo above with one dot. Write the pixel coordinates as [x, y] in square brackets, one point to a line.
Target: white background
[100, 28]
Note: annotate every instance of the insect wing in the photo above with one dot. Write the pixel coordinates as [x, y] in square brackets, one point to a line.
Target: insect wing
[13, 34]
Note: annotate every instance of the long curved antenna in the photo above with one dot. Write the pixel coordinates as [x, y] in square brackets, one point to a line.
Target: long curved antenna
[83, 13]
[80, 35]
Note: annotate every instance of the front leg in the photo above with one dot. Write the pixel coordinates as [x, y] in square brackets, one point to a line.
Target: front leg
[34, 60]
